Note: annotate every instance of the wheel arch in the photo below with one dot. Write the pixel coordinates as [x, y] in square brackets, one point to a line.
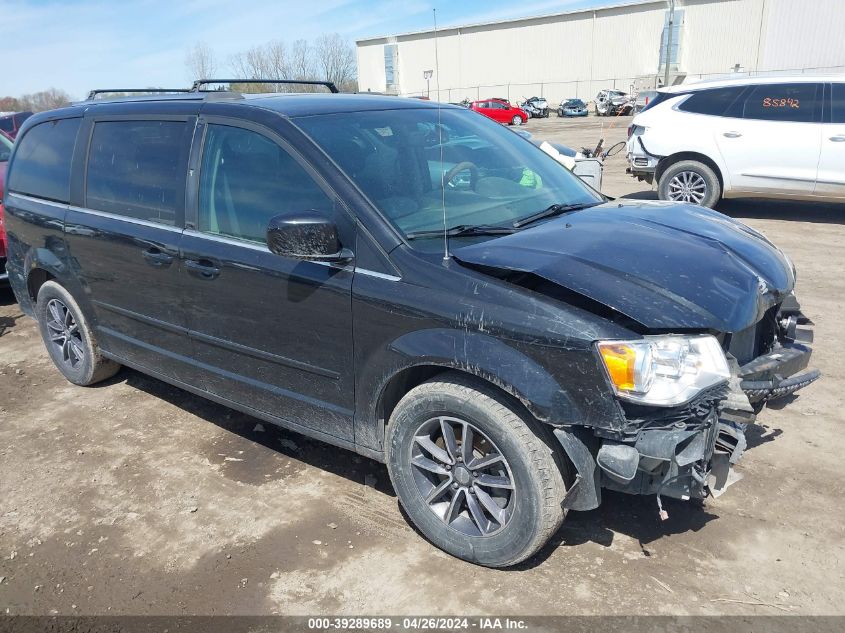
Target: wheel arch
[424, 354]
[667, 161]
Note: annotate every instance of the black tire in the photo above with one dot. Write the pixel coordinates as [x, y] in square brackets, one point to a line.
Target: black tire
[74, 349]
[690, 181]
[516, 120]
[536, 470]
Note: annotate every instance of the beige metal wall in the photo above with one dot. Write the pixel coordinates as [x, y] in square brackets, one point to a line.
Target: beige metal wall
[577, 54]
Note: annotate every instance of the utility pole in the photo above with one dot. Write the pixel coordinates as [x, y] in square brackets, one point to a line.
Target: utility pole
[669, 42]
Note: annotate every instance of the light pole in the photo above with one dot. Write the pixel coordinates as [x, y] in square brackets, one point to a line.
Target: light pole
[669, 42]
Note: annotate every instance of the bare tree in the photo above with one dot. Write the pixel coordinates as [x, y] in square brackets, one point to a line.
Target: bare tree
[200, 62]
[38, 101]
[335, 57]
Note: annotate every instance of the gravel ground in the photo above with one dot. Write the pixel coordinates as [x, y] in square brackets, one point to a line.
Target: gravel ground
[134, 497]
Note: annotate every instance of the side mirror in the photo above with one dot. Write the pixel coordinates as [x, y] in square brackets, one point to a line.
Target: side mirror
[307, 235]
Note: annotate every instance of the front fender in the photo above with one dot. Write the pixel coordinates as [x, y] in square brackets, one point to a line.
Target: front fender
[491, 359]
[472, 352]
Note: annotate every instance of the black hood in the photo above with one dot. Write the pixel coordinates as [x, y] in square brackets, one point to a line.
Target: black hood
[667, 266]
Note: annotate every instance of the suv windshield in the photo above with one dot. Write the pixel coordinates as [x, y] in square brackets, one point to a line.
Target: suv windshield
[492, 176]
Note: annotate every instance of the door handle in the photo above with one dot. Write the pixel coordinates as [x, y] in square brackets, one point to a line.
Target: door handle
[202, 269]
[157, 258]
[732, 134]
[839, 138]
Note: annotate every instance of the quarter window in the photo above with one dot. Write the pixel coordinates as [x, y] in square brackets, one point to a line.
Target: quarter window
[42, 162]
[137, 169]
[246, 179]
[782, 102]
[715, 102]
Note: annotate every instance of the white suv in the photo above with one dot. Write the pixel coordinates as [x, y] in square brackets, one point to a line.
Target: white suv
[769, 137]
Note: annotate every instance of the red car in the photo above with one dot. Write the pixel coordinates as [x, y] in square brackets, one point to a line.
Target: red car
[5, 152]
[10, 122]
[500, 110]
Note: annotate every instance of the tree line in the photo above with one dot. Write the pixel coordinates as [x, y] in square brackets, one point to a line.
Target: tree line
[35, 102]
[330, 57]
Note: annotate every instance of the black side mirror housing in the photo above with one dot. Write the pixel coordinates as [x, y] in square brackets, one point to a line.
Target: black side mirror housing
[307, 235]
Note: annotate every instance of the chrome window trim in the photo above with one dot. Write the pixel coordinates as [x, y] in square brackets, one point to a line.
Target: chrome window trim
[263, 248]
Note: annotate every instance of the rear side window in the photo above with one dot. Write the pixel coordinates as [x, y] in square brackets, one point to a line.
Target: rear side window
[137, 169]
[42, 162]
[782, 102]
[660, 97]
[837, 114]
[715, 101]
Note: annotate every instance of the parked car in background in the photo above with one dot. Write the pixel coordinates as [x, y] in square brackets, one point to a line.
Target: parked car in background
[5, 153]
[455, 304]
[604, 102]
[535, 107]
[572, 107]
[10, 122]
[644, 97]
[501, 111]
[778, 137]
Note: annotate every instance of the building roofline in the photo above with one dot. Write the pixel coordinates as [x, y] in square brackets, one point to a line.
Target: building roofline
[457, 27]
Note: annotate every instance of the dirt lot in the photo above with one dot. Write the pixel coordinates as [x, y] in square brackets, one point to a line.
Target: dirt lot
[135, 497]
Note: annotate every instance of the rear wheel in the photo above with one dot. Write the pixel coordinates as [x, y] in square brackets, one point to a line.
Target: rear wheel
[68, 337]
[478, 479]
[690, 181]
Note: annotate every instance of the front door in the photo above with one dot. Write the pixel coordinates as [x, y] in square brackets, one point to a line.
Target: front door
[772, 143]
[269, 333]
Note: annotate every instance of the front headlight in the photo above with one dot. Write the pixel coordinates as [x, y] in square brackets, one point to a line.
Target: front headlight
[664, 370]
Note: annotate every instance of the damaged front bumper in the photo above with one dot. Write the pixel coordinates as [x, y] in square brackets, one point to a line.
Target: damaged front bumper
[686, 452]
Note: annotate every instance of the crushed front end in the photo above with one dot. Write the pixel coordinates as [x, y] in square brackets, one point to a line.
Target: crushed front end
[687, 450]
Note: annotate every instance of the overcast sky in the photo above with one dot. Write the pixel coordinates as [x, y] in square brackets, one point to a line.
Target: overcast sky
[76, 45]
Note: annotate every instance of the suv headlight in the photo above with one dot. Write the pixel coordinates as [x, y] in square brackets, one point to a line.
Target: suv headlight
[664, 370]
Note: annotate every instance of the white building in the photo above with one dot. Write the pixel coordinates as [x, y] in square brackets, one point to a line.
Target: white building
[576, 54]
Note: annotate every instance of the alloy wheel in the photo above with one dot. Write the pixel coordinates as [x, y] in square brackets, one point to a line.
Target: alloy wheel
[64, 334]
[687, 186]
[462, 476]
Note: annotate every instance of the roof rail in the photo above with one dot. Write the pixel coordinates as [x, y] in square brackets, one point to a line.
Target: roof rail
[204, 82]
[92, 94]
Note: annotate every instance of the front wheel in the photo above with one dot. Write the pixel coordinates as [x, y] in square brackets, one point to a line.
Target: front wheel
[516, 120]
[478, 479]
[690, 181]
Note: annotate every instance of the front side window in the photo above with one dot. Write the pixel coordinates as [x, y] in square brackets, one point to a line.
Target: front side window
[42, 163]
[400, 158]
[137, 169]
[715, 101]
[782, 102]
[5, 148]
[246, 179]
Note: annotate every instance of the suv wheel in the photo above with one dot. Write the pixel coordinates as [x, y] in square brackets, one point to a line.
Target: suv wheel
[478, 479]
[690, 181]
[68, 337]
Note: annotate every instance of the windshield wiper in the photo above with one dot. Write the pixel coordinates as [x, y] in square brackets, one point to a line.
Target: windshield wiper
[462, 230]
[555, 209]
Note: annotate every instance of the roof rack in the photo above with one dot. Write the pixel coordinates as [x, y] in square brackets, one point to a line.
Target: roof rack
[204, 82]
[92, 94]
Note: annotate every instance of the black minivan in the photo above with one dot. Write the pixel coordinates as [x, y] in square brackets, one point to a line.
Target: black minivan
[410, 281]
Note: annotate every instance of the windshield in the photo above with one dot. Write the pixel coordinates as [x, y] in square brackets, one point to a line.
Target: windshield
[493, 176]
[574, 103]
[5, 148]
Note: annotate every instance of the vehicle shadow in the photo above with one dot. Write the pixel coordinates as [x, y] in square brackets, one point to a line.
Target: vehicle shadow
[765, 209]
[342, 463]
